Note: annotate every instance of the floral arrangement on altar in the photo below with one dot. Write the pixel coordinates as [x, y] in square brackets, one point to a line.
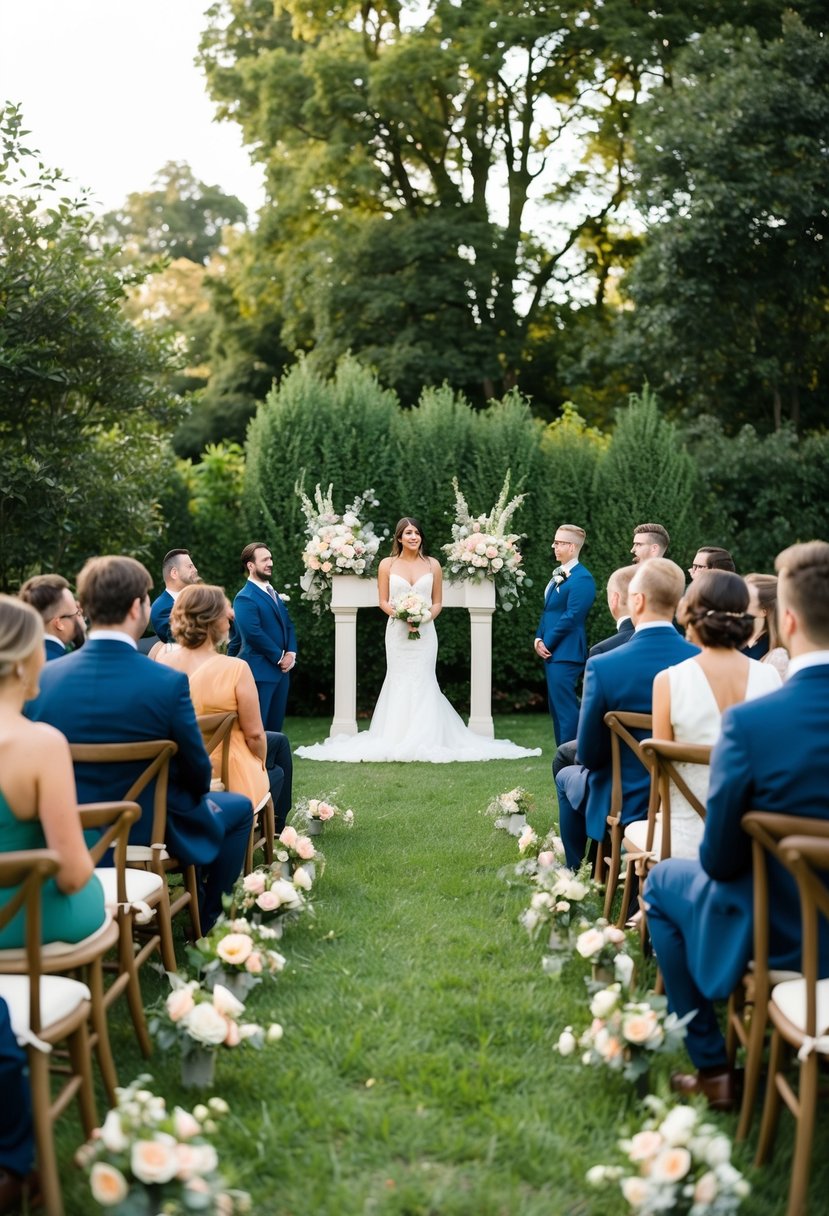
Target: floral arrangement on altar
[482, 548]
[337, 544]
[413, 609]
[676, 1163]
[625, 1035]
[311, 813]
[237, 954]
[197, 1020]
[147, 1159]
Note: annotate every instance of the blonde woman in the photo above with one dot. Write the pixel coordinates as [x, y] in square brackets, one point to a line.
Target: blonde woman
[764, 643]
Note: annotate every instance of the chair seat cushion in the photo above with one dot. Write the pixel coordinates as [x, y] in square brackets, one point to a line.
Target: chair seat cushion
[144, 852]
[637, 834]
[790, 999]
[777, 977]
[59, 998]
[142, 885]
[54, 949]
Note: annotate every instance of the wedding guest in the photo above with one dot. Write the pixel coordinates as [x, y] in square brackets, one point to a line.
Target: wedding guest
[264, 635]
[38, 805]
[649, 540]
[16, 1133]
[109, 693]
[711, 557]
[63, 623]
[690, 698]
[561, 637]
[771, 756]
[622, 680]
[260, 762]
[178, 572]
[764, 643]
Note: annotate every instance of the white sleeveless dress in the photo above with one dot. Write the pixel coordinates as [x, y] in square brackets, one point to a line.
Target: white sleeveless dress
[696, 718]
[412, 719]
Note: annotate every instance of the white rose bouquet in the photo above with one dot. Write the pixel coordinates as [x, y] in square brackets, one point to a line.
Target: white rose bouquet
[482, 548]
[337, 543]
[625, 1035]
[148, 1159]
[676, 1162]
[413, 609]
[194, 1019]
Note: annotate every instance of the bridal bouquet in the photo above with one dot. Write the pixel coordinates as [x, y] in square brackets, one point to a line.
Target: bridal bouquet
[337, 544]
[676, 1163]
[413, 609]
[482, 548]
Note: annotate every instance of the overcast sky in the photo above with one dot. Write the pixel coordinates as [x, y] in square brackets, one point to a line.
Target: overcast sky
[110, 94]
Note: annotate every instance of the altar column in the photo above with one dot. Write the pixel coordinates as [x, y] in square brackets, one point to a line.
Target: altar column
[348, 595]
[480, 601]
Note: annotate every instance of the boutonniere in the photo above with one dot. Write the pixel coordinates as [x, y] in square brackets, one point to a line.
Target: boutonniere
[560, 575]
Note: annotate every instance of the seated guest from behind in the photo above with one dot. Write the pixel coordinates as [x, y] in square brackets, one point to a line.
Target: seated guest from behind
[200, 621]
[38, 806]
[109, 693]
[764, 643]
[63, 623]
[690, 698]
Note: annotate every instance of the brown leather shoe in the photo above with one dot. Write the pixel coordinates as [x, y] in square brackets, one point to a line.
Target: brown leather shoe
[720, 1089]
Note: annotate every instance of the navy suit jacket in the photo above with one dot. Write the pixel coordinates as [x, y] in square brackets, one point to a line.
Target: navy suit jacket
[566, 606]
[622, 679]
[772, 755]
[160, 615]
[263, 632]
[106, 692]
[54, 649]
[623, 634]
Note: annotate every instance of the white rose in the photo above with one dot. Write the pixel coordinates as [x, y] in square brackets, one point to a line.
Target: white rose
[226, 1003]
[678, 1124]
[705, 1191]
[184, 1125]
[718, 1151]
[275, 1032]
[575, 890]
[566, 1042]
[635, 1191]
[206, 1025]
[112, 1133]
[623, 969]
[302, 879]
[604, 1002]
[589, 942]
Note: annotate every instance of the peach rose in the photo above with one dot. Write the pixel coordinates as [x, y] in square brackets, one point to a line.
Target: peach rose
[645, 1145]
[108, 1185]
[671, 1165]
[187, 1158]
[325, 811]
[155, 1161]
[253, 963]
[305, 847]
[254, 883]
[546, 858]
[705, 1191]
[289, 836]
[232, 1036]
[590, 942]
[268, 901]
[234, 949]
[178, 1004]
[635, 1191]
[640, 1027]
[184, 1125]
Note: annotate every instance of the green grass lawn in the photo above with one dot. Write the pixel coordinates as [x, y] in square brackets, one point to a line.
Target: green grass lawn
[417, 1075]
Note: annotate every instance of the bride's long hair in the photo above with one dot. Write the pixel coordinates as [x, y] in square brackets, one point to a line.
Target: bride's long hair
[400, 528]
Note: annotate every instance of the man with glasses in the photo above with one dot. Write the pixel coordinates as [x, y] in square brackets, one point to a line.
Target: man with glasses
[561, 638]
[711, 557]
[649, 540]
[63, 624]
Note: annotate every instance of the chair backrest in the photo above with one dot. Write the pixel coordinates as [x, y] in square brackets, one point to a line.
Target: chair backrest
[621, 724]
[662, 756]
[113, 820]
[156, 752]
[807, 857]
[215, 731]
[28, 871]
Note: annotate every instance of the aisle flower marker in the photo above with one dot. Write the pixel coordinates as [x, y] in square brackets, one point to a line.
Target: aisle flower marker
[675, 1163]
[311, 814]
[337, 543]
[625, 1035]
[237, 954]
[482, 548]
[300, 861]
[266, 898]
[510, 810]
[146, 1159]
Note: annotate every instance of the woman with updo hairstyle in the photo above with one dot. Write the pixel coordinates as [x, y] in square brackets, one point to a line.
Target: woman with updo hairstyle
[690, 699]
[200, 623]
[38, 802]
[764, 643]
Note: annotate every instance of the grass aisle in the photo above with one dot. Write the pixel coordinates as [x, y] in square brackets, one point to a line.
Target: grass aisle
[417, 1075]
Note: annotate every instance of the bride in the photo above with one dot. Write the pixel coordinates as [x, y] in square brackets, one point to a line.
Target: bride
[412, 718]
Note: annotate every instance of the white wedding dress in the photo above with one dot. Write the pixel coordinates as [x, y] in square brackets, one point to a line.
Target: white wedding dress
[412, 718]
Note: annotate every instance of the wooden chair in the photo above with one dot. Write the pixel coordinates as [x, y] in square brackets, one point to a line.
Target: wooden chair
[747, 1016]
[621, 724]
[799, 1013]
[126, 893]
[651, 837]
[156, 753]
[46, 1010]
[216, 732]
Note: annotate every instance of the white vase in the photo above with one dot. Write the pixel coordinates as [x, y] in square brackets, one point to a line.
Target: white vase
[198, 1069]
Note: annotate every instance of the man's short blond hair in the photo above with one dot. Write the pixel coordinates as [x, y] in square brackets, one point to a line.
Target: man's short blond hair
[661, 582]
[804, 586]
[620, 581]
[574, 533]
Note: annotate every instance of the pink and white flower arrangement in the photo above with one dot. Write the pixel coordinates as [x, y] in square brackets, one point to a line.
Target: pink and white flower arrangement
[145, 1158]
[320, 810]
[676, 1162]
[237, 954]
[414, 610]
[195, 1019]
[482, 548]
[337, 543]
[624, 1035]
[510, 809]
[265, 898]
[293, 852]
[603, 945]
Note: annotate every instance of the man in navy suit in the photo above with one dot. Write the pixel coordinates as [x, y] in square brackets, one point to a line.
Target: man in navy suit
[63, 625]
[623, 680]
[649, 540]
[771, 756]
[178, 572]
[264, 635]
[561, 638]
[107, 692]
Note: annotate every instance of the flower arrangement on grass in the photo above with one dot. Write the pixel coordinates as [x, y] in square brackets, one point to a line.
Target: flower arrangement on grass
[414, 610]
[337, 543]
[602, 944]
[195, 1019]
[676, 1163]
[510, 810]
[298, 858]
[146, 1159]
[482, 548]
[266, 898]
[625, 1034]
[237, 954]
[310, 813]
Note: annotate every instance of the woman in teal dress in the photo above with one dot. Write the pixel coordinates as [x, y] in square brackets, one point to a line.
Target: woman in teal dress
[38, 804]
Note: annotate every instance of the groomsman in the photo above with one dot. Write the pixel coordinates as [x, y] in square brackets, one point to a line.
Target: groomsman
[771, 756]
[561, 637]
[178, 572]
[649, 540]
[264, 635]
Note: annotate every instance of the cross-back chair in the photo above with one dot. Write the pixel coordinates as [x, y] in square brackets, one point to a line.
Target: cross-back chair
[621, 724]
[651, 837]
